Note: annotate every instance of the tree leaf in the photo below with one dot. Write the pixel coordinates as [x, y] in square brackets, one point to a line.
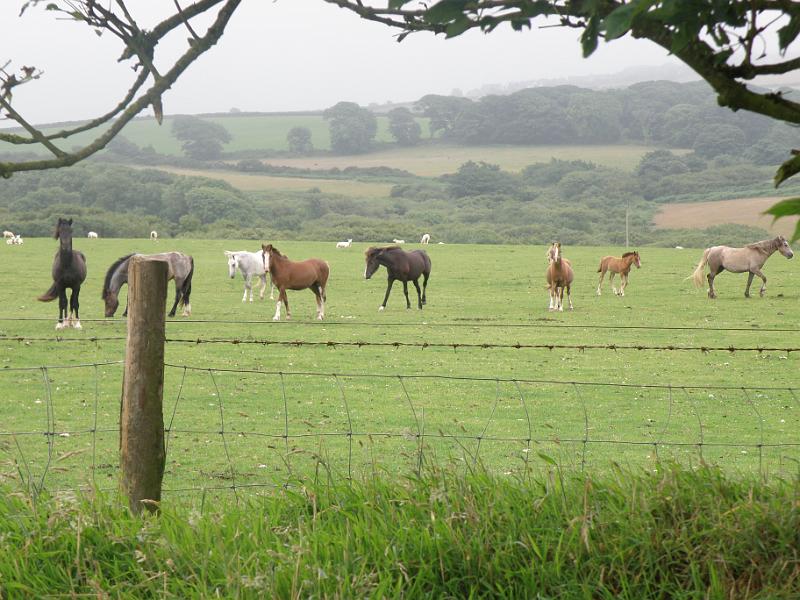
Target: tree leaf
[786, 170]
[784, 208]
[788, 33]
[618, 23]
[445, 11]
[589, 37]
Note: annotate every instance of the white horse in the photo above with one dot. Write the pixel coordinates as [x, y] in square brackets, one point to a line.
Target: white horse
[250, 263]
[396, 241]
[426, 238]
[346, 244]
[154, 235]
[8, 234]
[15, 241]
[92, 235]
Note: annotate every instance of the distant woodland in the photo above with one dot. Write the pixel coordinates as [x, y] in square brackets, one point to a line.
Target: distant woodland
[718, 154]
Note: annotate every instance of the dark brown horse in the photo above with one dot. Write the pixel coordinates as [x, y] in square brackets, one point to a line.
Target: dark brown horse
[559, 277]
[289, 275]
[403, 266]
[622, 265]
[69, 271]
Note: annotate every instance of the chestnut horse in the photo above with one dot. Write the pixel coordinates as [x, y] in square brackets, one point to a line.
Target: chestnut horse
[289, 275]
[559, 277]
[617, 265]
[401, 265]
[69, 271]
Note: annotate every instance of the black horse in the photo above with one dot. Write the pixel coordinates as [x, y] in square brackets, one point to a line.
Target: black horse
[69, 271]
[403, 266]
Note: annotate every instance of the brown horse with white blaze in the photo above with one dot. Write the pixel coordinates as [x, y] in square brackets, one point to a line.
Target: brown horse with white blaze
[615, 265]
[559, 277]
[290, 275]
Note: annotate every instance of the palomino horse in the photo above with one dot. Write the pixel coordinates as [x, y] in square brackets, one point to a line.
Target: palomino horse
[738, 260]
[401, 265]
[69, 271]
[154, 236]
[617, 265]
[250, 264]
[559, 277]
[289, 275]
[180, 267]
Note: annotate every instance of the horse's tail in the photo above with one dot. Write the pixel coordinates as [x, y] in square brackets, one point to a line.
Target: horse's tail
[187, 284]
[697, 276]
[50, 294]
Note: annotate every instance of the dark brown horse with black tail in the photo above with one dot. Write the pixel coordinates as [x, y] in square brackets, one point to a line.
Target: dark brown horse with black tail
[69, 271]
[403, 266]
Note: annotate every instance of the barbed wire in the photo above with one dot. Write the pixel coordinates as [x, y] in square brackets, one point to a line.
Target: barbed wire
[422, 438]
[540, 323]
[422, 345]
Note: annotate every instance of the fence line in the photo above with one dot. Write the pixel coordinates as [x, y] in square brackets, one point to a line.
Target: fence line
[418, 325]
[423, 345]
[471, 444]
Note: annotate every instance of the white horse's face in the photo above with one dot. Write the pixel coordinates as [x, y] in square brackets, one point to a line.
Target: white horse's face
[233, 264]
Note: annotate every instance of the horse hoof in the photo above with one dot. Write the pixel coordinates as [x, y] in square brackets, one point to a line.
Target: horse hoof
[276, 318]
[60, 326]
[77, 325]
[380, 308]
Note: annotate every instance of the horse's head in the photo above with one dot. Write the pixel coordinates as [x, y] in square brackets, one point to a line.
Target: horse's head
[233, 263]
[784, 247]
[554, 252]
[63, 229]
[112, 302]
[372, 255]
[634, 256]
[266, 251]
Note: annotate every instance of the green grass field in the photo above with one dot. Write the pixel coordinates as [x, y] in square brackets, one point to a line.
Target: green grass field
[476, 295]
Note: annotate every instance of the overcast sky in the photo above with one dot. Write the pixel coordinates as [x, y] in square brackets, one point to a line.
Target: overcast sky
[293, 55]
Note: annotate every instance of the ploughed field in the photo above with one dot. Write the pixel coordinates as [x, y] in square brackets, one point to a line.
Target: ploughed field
[250, 403]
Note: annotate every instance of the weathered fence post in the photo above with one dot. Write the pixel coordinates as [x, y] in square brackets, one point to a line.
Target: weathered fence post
[141, 440]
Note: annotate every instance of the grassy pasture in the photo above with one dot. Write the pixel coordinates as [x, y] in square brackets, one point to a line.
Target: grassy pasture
[436, 159]
[253, 182]
[477, 294]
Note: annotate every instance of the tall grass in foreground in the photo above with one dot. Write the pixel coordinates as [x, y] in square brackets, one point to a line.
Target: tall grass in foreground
[675, 534]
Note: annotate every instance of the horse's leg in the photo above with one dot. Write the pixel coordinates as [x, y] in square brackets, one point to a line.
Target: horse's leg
[317, 289]
[425, 286]
[419, 294]
[285, 297]
[263, 289]
[277, 316]
[73, 308]
[750, 276]
[386, 297]
[405, 292]
[763, 284]
[177, 299]
[623, 283]
[248, 285]
[600, 283]
[551, 292]
[186, 291]
[569, 296]
[711, 293]
[271, 288]
[611, 281]
[62, 308]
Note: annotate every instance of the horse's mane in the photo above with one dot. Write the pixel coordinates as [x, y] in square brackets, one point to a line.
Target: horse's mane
[629, 254]
[110, 273]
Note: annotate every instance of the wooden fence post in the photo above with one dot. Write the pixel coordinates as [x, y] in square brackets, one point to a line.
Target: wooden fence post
[141, 440]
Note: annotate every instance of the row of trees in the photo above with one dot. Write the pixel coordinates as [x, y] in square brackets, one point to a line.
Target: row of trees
[660, 113]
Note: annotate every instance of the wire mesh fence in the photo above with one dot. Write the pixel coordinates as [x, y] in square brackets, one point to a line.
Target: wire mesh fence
[234, 431]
